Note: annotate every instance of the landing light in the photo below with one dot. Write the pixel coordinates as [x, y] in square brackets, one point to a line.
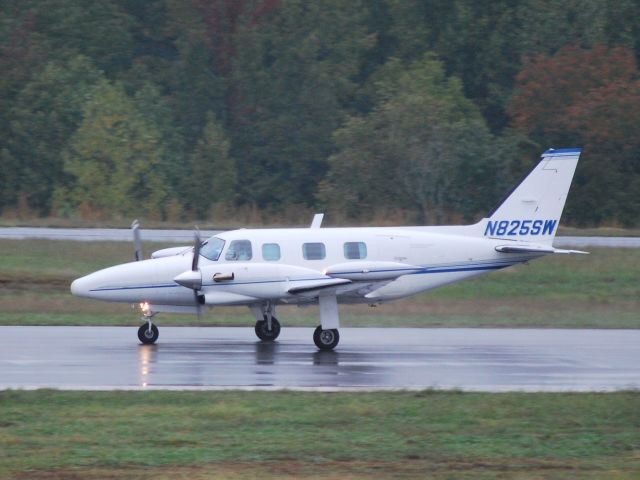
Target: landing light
[144, 306]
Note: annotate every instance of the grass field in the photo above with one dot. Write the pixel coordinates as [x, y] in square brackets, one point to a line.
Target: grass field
[598, 290]
[240, 435]
[55, 435]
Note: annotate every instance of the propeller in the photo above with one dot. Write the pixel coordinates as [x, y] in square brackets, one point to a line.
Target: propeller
[197, 244]
[196, 250]
[193, 278]
[137, 244]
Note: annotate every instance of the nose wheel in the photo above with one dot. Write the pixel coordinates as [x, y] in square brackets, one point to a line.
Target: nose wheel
[326, 339]
[264, 333]
[148, 333]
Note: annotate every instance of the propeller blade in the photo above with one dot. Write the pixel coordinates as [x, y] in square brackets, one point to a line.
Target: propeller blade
[194, 268]
[198, 305]
[137, 243]
[196, 250]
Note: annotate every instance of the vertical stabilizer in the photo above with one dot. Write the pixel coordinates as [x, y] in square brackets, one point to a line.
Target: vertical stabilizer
[531, 212]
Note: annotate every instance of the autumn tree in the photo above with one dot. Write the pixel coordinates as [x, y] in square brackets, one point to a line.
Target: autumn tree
[588, 98]
[195, 85]
[213, 177]
[292, 77]
[19, 57]
[421, 148]
[112, 159]
[281, 76]
[44, 116]
[483, 43]
[172, 167]
[99, 30]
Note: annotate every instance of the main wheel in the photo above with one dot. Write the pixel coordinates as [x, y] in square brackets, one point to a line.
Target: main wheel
[326, 339]
[263, 332]
[147, 336]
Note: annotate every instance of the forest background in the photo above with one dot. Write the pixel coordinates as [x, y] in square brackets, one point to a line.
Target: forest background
[398, 111]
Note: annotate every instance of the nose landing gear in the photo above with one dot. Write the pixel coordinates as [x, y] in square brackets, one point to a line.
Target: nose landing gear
[148, 333]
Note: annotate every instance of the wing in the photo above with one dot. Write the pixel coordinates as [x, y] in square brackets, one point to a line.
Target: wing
[314, 287]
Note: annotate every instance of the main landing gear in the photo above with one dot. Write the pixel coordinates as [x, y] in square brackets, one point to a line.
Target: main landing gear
[265, 333]
[326, 336]
[326, 339]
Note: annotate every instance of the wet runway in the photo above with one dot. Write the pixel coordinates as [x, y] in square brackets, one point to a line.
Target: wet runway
[108, 358]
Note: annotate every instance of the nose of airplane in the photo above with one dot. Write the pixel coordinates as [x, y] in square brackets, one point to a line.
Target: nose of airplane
[147, 280]
[80, 287]
[89, 285]
[92, 285]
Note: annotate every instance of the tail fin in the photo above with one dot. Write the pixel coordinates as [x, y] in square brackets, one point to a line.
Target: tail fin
[531, 212]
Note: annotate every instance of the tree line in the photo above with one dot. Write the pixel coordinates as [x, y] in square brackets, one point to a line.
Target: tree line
[420, 110]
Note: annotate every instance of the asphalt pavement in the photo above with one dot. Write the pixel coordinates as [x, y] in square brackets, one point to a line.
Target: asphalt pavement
[191, 358]
[101, 234]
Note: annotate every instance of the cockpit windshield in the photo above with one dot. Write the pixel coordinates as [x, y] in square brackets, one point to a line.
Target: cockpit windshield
[212, 248]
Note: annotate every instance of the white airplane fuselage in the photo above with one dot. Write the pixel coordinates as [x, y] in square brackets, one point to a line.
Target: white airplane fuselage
[262, 268]
[442, 256]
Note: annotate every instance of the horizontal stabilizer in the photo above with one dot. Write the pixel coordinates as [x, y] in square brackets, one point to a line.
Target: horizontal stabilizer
[543, 249]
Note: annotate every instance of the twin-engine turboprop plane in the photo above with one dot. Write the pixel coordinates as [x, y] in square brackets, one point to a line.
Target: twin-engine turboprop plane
[265, 268]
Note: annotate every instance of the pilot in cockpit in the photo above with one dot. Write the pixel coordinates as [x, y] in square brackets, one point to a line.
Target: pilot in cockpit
[239, 250]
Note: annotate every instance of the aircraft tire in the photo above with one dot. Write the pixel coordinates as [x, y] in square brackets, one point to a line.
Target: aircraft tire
[264, 334]
[326, 339]
[148, 337]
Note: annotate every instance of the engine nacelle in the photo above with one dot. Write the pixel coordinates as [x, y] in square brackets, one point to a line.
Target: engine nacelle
[258, 281]
[227, 298]
[171, 251]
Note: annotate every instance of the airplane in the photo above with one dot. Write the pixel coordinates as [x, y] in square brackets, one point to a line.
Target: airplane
[265, 268]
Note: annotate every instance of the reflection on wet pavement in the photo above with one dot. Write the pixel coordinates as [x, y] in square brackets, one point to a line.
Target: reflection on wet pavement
[367, 358]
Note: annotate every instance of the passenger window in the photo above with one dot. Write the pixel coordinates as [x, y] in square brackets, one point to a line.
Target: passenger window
[271, 251]
[239, 250]
[355, 250]
[313, 251]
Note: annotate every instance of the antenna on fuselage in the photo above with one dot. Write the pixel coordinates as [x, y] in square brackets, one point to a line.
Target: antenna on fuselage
[137, 243]
[317, 220]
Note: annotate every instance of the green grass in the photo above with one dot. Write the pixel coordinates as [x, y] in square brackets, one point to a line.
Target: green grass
[598, 290]
[467, 435]
[598, 232]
